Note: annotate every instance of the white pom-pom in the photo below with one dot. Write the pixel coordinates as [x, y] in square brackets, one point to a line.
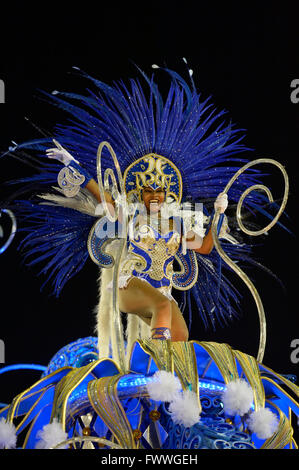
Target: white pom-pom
[184, 409]
[155, 66]
[8, 436]
[263, 423]
[237, 398]
[51, 435]
[164, 386]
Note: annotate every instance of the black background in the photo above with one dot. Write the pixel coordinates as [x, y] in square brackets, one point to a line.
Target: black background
[245, 57]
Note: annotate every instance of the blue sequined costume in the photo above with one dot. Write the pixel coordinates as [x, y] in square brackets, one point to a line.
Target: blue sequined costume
[150, 256]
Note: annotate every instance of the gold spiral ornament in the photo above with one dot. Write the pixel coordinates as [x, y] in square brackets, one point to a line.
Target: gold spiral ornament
[231, 263]
[116, 331]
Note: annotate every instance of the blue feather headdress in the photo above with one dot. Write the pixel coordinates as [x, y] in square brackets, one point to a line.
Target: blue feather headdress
[182, 127]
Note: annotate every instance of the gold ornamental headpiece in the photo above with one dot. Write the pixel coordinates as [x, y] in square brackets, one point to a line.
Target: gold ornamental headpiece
[154, 171]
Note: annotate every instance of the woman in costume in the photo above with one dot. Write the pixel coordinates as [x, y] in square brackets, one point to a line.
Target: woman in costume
[177, 146]
[156, 238]
[167, 152]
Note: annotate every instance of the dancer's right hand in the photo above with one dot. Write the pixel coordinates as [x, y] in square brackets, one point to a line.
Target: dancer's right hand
[60, 153]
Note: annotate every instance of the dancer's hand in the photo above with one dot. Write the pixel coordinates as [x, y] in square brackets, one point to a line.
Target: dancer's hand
[60, 153]
[221, 203]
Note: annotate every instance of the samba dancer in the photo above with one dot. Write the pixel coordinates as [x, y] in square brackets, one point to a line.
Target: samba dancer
[154, 305]
[167, 151]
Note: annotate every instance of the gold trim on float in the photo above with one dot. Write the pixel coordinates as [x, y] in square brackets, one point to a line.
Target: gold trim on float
[20, 397]
[252, 372]
[185, 366]
[30, 429]
[33, 406]
[111, 444]
[160, 352]
[284, 434]
[67, 385]
[282, 391]
[223, 356]
[288, 383]
[103, 397]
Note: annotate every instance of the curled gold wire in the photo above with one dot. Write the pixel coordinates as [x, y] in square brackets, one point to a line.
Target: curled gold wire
[225, 257]
[116, 330]
[109, 173]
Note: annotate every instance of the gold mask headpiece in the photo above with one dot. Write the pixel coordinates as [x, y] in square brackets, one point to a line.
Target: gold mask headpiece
[154, 171]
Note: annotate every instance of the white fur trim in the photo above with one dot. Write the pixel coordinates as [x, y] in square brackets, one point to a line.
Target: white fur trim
[237, 398]
[8, 436]
[185, 409]
[164, 386]
[263, 423]
[51, 435]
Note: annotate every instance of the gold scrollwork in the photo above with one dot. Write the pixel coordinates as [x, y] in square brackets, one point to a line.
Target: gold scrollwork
[70, 180]
[118, 345]
[236, 268]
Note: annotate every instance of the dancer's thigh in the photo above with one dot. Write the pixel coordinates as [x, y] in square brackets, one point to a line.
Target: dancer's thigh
[140, 297]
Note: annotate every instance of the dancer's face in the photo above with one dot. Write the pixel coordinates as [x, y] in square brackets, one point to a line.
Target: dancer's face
[153, 199]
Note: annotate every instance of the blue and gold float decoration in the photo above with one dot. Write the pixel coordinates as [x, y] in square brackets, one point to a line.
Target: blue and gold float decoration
[100, 407]
[105, 404]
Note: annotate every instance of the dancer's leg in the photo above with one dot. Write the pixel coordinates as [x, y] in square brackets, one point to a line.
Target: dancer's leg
[179, 329]
[153, 308]
[142, 299]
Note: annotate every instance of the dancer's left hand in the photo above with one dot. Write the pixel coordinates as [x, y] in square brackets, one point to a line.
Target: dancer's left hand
[221, 203]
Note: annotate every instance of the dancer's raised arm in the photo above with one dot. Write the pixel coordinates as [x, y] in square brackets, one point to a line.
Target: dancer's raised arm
[205, 245]
[61, 154]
